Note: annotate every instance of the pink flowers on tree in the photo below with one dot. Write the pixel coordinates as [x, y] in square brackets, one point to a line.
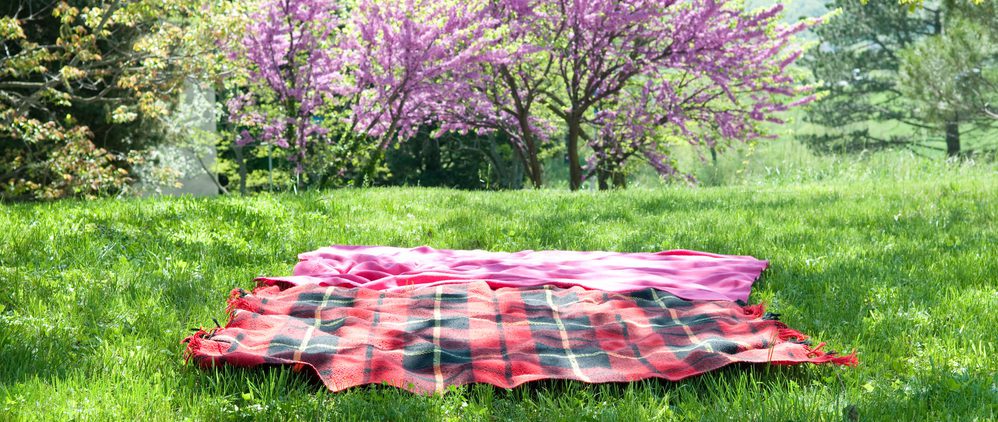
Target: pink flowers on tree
[691, 66]
[410, 62]
[292, 74]
[724, 72]
[627, 77]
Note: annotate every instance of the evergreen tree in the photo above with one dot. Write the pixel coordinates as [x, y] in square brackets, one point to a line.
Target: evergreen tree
[857, 62]
[902, 69]
[951, 80]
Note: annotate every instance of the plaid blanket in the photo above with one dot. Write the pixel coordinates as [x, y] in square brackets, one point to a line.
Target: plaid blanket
[687, 274]
[425, 339]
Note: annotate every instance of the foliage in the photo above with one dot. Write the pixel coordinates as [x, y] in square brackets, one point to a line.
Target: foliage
[508, 95]
[736, 77]
[952, 79]
[888, 65]
[914, 4]
[408, 60]
[340, 86]
[857, 66]
[61, 162]
[573, 56]
[468, 161]
[84, 86]
[610, 53]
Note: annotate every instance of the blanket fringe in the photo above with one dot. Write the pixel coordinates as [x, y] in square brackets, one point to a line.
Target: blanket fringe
[820, 356]
[754, 311]
[844, 360]
[194, 343]
[789, 334]
[815, 354]
[236, 301]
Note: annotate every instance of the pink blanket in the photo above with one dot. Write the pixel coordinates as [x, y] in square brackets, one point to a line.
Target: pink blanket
[687, 274]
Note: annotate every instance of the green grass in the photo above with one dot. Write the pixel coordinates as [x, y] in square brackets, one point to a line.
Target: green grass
[96, 296]
[786, 160]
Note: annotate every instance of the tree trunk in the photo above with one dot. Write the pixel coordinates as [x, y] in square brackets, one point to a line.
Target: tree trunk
[619, 179]
[574, 168]
[953, 138]
[509, 174]
[602, 178]
[500, 175]
[432, 166]
[517, 175]
[291, 109]
[536, 171]
[533, 163]
[520, 160]
[243, 172]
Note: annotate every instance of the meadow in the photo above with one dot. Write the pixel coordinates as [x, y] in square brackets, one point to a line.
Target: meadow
[898, 263]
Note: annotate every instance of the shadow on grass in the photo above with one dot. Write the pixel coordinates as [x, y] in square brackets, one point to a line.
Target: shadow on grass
[273, 386]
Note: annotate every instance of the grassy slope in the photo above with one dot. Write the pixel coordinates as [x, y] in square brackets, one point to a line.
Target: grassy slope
[96, 296]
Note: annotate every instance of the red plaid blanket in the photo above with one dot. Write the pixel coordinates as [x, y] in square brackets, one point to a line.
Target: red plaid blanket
[426, 339]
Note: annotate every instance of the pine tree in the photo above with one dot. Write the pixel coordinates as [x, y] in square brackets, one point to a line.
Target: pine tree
[928, 68]
[857, 64]
[951, 80]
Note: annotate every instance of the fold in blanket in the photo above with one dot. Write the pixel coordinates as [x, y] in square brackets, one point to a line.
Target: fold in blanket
[425, 339]
[686, 274]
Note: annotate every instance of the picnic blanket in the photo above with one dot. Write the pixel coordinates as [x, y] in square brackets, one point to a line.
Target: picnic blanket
[425, 339]
[686, 274]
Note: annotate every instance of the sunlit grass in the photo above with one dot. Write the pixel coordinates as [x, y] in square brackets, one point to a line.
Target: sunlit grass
[97, 295]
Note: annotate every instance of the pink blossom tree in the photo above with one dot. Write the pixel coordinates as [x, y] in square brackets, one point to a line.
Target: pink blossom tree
[620, 74]
[601, 49]
[508, 94]
[409, 63]
[719, 90]
[624, 75]
[291, 75]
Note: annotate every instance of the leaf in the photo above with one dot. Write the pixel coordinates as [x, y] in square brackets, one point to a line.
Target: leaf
[123, 114]
[10, 29]
[952, 384]
[70, 73]
[868, 387]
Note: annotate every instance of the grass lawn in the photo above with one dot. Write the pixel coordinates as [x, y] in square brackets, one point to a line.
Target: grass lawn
[97, 295]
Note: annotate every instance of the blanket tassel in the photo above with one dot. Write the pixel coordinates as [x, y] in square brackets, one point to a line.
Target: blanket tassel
[194, 343]
[815, 353]
[236, 301]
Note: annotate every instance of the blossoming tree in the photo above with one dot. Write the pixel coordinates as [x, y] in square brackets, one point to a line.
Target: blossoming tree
[408, 61]
[621, 75]
[678, 56]
[287, 46]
